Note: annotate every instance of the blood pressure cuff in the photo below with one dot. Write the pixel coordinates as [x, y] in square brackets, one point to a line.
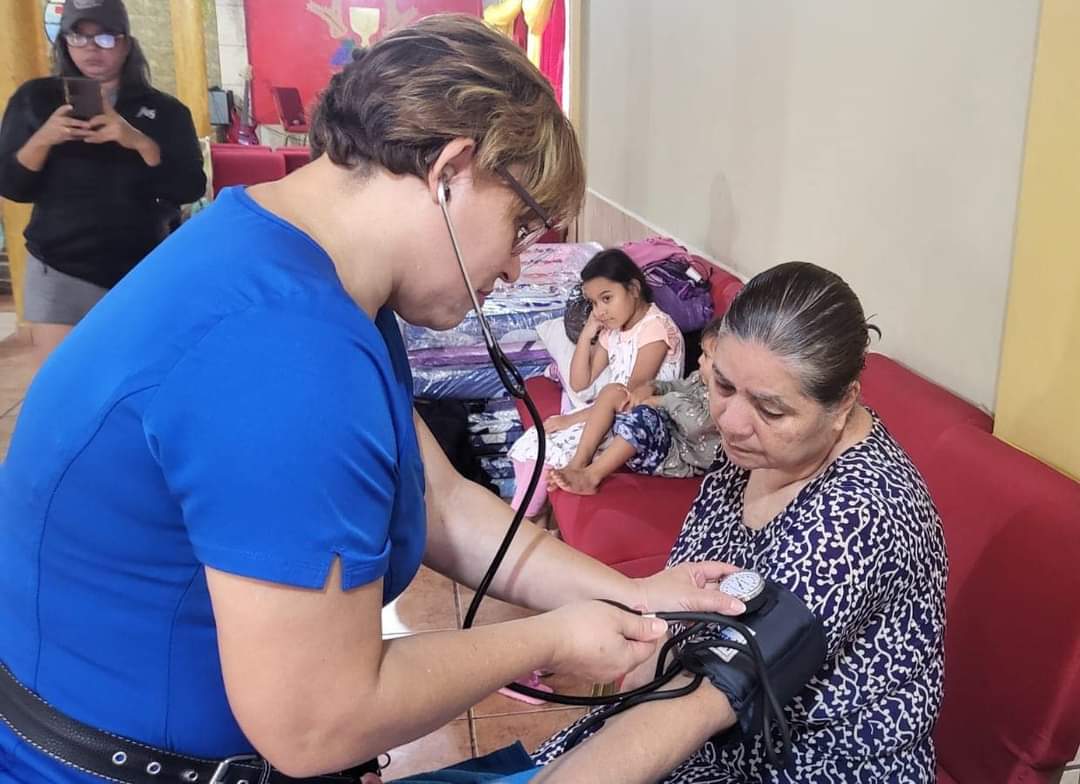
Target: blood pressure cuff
[792, 643]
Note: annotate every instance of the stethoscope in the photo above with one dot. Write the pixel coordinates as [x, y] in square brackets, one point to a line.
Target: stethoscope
[740, 584]
[515, 385]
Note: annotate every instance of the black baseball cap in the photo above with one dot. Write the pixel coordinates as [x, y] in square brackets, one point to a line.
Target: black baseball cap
[110, 14]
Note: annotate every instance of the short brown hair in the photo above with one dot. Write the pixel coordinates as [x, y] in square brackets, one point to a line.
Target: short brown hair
[448, 76]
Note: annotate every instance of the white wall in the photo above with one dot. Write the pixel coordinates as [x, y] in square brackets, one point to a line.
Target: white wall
[232, 44]
[881, 139]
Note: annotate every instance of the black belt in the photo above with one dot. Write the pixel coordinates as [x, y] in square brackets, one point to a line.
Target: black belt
[127, 761]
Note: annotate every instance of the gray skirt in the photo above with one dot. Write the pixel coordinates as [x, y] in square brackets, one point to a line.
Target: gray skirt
[53, 297]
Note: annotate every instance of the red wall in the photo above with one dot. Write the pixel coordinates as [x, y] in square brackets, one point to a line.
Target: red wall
[289, 46]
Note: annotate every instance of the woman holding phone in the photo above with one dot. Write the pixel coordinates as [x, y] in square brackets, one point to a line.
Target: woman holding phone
[105, 159]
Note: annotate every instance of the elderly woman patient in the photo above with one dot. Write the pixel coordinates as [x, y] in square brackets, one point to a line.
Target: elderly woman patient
[811, 491]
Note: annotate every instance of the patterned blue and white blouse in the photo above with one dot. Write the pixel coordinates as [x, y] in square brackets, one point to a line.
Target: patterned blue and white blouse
[862, 545]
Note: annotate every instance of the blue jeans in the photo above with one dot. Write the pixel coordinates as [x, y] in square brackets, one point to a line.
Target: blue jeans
[510, 765]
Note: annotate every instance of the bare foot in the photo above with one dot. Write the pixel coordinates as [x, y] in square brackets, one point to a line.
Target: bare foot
[579, 481]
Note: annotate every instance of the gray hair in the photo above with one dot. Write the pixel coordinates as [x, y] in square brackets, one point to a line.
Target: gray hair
[811, 319]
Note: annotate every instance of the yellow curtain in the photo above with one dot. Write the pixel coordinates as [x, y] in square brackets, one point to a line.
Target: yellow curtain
[24, 54]
[501, 16]
[537, 16]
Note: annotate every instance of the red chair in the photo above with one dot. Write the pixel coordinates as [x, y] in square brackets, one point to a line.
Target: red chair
[290, 110]
[244, 167]
[219, 146]
[295, 157]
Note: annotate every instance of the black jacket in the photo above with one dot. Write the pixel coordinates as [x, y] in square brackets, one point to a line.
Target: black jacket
[98, 208]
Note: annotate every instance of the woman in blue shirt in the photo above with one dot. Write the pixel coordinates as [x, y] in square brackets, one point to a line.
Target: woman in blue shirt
[217, 481]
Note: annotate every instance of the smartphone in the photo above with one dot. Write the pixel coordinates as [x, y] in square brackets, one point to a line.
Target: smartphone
[84, 95]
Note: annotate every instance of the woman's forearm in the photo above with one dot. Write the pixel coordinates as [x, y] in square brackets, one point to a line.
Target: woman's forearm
[539, 571]
[319, 699]
[466, 524]
[148, 150]
[33, 154]
[643, 744]
[428, 680]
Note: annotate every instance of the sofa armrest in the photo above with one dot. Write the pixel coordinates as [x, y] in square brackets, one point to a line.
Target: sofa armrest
[546, 394]
[914, 409]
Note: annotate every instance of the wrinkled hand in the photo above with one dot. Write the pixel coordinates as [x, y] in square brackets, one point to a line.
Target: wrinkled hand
[600, 642]
[688, 587]
[62, 127]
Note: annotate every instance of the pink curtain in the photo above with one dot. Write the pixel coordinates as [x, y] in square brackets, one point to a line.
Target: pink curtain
[554, 46]
[521, 31]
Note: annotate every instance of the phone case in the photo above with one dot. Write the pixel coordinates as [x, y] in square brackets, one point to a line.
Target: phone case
[84, 95]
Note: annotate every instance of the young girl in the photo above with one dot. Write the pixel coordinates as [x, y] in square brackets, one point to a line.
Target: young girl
[664, 429]
[626, 333]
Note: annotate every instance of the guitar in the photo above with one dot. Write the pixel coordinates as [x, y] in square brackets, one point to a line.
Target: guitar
[242, 124]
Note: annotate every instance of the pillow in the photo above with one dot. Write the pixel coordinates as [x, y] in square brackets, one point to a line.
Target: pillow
[578, 310]
[553, 336]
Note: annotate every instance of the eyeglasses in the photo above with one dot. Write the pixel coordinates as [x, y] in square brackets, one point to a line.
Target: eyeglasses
[526, 236]
[101, 40]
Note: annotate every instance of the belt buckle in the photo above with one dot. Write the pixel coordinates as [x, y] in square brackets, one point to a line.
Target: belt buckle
[225, 764]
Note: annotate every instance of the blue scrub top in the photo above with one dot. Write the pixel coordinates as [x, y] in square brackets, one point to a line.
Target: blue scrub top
[226, 405]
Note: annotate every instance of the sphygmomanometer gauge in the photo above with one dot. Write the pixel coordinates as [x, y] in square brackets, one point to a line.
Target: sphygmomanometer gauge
[746, 586]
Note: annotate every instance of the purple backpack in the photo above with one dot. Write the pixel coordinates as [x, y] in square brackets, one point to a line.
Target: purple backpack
[679, 280]
[680, 291]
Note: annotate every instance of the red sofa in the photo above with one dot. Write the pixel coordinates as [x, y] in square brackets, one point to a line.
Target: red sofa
[295, 157]
[1012, 639]
[1011, 711]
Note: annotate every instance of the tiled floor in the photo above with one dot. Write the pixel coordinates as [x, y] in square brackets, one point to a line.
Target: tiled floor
[431, 603]
[16, 371]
